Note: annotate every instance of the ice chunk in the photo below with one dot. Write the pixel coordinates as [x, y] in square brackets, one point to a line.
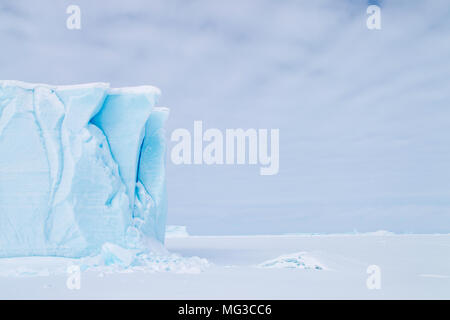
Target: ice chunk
[151, 197]
[300, 260]
[113, 254]
[65, 187]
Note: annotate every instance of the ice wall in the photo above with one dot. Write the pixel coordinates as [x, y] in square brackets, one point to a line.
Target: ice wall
[122, 119]
[69, 165]
[151, 194]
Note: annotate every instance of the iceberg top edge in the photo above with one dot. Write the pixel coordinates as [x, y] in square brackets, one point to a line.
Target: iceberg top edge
[135, 90]
[103, 85]
[161, 109]
[30, 86]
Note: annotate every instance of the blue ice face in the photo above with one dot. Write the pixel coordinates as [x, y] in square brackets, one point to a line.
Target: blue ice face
[69, 166]
[122, 118]
[151, 190]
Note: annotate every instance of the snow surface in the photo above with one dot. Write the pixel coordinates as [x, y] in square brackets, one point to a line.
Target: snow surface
[69, 166]
[229, 267]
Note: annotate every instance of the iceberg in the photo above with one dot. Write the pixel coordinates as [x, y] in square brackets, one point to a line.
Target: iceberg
[72, 159]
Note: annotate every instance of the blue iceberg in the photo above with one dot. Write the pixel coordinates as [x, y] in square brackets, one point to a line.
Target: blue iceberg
[80, 166]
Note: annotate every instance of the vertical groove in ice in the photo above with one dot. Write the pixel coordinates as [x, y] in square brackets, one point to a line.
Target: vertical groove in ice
[151, 189]
[125, 136]
[49, 112]
[7, 111]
